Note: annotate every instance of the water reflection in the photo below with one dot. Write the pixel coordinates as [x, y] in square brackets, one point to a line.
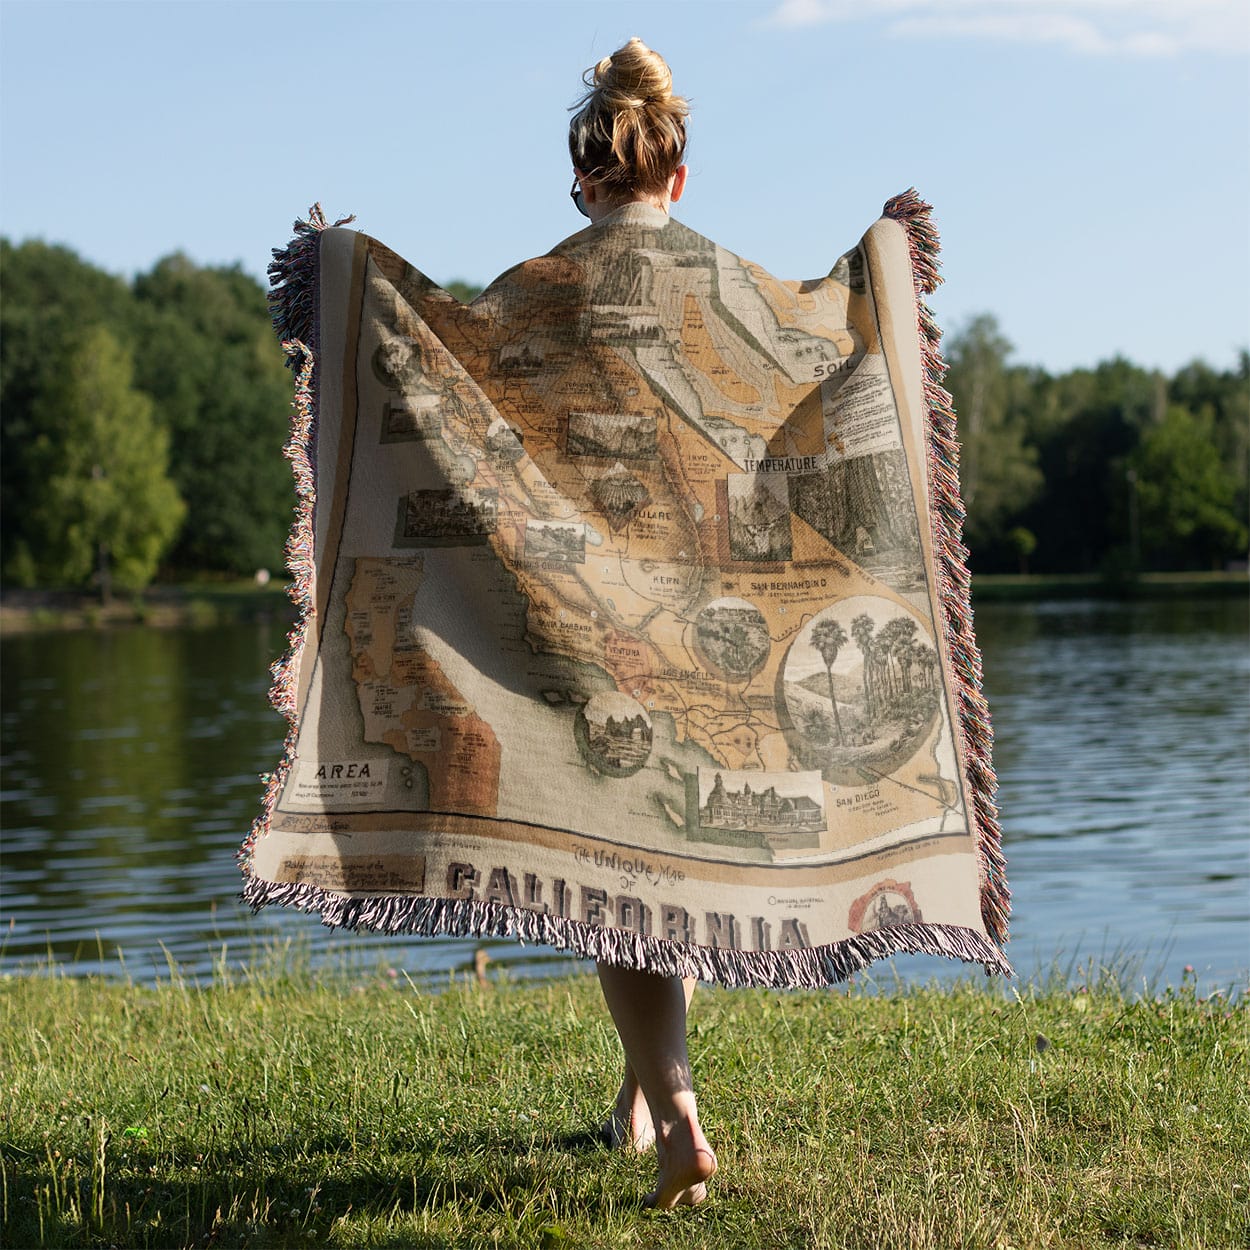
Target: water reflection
[131, 762]
[1122, 733]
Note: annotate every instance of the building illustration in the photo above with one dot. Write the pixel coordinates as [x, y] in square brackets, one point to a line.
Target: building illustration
[759, 811]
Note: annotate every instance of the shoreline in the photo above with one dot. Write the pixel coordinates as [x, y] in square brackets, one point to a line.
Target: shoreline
[201, 604]
[1034, 587]
[172, 606]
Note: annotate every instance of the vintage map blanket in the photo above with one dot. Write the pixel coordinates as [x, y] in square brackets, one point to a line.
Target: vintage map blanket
[634, 613]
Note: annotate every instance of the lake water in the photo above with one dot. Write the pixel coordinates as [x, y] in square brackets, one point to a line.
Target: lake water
[130, 762]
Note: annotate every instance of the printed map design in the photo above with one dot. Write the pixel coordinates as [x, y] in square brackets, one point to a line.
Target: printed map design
[667, 489]
[625, 601]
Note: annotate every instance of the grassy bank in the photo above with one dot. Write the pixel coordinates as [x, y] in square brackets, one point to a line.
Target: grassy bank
[1005, 587]
[200, 603]
[294, 1111]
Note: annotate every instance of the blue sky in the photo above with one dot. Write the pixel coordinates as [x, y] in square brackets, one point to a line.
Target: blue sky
[1089, 160]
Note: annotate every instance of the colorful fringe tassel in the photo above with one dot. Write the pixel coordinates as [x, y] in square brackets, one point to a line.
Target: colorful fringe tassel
[954, 580]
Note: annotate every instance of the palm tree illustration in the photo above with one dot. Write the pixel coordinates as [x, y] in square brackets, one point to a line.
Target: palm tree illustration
[829, 638]
[928, 661]
[861, 628]
[893, 642]
[883, 649]
[906, 650]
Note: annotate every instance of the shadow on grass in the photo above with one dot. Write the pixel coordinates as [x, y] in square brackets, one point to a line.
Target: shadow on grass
[264, 1197]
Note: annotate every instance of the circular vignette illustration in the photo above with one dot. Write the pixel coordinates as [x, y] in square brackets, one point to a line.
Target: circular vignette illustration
[503, 442]
[396, 362]
[861, 687]
[887, 904]
[731, 637]
[613, 733]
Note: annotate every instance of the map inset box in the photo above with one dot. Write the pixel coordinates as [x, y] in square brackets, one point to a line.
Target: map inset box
[776, 811]
[619, 494]
[555, 542]
[758, 507]
[524, 359]
[616, 436]
[732, 637]
[503, 442]
[863, 506]
[410, 420]
[446, 518]
[613, 733]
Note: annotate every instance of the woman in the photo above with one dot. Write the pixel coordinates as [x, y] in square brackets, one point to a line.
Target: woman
[593, 650]
[628, 141]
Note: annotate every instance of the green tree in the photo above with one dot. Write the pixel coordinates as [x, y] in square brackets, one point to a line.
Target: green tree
[1186, 495]
[208, 358]
[51, 299]
[1024, 543]
[105, 505]
[1222, 398]
[465, 292]
[997, 466]
[1086, 424]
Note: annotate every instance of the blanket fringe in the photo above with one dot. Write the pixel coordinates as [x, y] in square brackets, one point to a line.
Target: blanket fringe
[293, 281]
[809, 968]
[954, 580]
[293, 300]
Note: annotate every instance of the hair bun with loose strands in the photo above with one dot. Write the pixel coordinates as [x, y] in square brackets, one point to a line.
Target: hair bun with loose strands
[629, 130]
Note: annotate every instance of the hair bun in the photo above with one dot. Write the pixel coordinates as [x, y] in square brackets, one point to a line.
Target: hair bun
[634, 76]
[629, 129]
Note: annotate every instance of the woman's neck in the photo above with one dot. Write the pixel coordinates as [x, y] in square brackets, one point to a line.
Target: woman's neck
[603, 207]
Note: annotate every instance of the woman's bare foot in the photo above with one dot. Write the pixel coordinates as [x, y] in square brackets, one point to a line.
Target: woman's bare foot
[686, 1165]
[629, 1125]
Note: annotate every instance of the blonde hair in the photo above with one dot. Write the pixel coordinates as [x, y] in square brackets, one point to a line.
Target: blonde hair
[629, 131]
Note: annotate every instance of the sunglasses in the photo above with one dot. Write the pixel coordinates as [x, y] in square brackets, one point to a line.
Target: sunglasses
[576, 196]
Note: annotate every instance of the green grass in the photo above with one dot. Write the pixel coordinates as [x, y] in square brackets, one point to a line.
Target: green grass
[299, 1109]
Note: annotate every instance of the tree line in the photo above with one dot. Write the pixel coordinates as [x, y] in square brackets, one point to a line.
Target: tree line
[143, 423]
[1112, 470]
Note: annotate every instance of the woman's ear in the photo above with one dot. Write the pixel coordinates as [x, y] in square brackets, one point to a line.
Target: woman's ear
[588, 186]
[678, 184]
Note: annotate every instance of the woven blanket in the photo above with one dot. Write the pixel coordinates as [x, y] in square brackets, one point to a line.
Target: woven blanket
[634, 615]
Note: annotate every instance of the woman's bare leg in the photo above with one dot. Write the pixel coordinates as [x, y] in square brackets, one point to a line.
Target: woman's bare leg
[650, 1015]
[629, 1125]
